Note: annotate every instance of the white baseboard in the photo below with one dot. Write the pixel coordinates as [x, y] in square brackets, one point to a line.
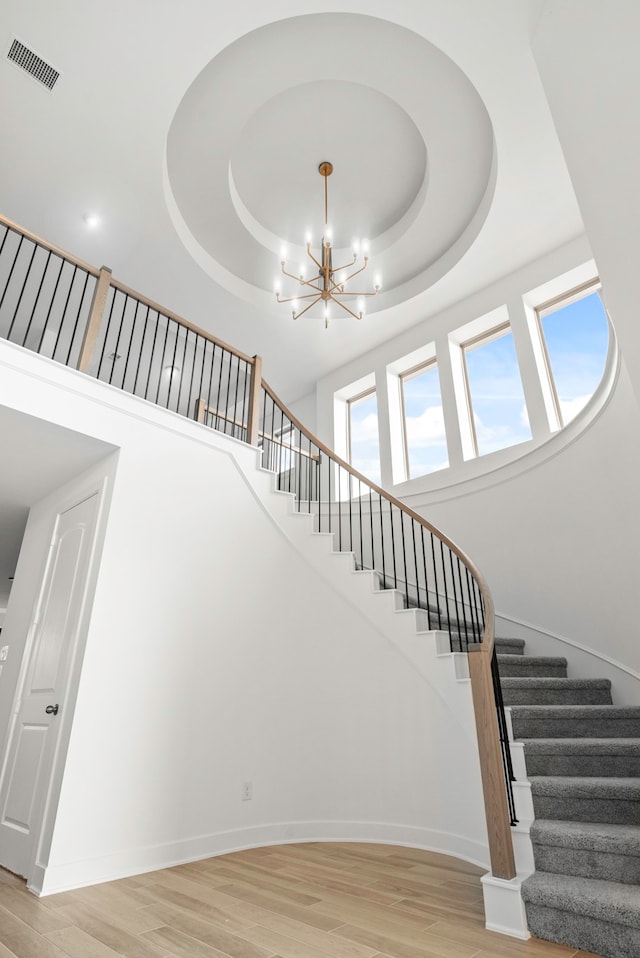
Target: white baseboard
[51, 879]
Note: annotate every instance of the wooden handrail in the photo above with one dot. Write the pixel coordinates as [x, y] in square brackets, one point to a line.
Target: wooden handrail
[169, 314]
[484, 703]
[116, 284]
[87, 267]
[475, 572]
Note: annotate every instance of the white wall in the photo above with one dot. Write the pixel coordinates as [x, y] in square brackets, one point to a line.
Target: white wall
[556, 532]
[217, 654]
[595, 108]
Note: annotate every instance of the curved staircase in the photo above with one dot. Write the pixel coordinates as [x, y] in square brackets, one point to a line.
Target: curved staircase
[582, 756]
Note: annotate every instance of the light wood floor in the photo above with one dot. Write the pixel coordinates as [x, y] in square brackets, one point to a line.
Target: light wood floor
[293, 901]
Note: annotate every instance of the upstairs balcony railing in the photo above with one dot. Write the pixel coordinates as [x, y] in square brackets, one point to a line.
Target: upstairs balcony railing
[71, 312]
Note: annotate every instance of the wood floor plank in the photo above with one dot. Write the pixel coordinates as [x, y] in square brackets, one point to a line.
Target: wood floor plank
[180, 945]
[315, 900]
[22, 941]
[210, 934]
[27, 908]
[280, 907]
[78, 944]
[161, 894]
[399, 947]
[323, 940]
[102, 927]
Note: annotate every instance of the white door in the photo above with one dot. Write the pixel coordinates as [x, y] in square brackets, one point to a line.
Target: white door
[27, 769]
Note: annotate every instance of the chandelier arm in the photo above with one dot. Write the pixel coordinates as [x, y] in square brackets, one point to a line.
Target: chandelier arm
[336, 269]
[293, 299]
[346, 309]
[373, 293]
[303, 282]
[355, 272]
[312, 257]
[302, 312]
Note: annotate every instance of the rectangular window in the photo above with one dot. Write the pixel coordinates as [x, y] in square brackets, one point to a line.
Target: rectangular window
[575, 334]
[362, 434]
[425, 444]
[494, 388]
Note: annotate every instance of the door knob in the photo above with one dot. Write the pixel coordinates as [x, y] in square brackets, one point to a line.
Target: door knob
[52, 709]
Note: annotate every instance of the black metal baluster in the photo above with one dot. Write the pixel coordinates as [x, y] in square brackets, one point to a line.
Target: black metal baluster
[144, 336]
[404, 560]
[384, 573]
[446, 592]
[9, 277]
[181, 377]
[172, 364]
[35, 303]
[393, 547]
[106, 335]
[78, 313]
[46, 320]
[130, 346]
[457, 608]
[117, 346]
[153, 352]
[24, 286]
[426, 579]
[504, 737]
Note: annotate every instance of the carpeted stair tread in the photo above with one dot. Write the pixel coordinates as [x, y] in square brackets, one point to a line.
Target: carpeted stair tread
[572, 799]
[552, 682]
[611, 902]
[586, 746]
[507, 646]
[610, 852]
[527, 690]
[584, 757]
[575, 721]
[592, 836]
[510, 664]
[613, 788]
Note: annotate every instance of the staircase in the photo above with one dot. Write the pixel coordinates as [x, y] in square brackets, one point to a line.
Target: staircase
[582, 756]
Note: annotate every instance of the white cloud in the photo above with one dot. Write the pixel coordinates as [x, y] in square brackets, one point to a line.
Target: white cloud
[427, 428]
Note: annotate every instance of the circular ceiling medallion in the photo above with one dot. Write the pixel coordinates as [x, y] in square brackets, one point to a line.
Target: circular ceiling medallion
[412, 175]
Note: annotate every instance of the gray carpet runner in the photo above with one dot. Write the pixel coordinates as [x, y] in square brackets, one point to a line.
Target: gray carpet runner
[583, 761]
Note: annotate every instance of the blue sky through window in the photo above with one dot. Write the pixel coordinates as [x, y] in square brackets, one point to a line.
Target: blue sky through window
[496, 394]
[424, 422]
[363, 433]
[577, 339]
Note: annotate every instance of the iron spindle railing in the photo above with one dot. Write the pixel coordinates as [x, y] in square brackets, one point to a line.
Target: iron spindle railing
[58, 306]
[45, 297]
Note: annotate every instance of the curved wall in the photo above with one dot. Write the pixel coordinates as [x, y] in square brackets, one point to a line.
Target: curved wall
[556, 531]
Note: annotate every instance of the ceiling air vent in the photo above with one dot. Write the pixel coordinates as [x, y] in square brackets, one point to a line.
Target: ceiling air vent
[34, 65]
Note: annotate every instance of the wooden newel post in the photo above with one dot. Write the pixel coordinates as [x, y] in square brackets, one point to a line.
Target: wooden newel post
[492, 770]
[94, 322]
[253, 423]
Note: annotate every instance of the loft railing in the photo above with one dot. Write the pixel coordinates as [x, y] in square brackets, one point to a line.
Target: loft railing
[73, 313]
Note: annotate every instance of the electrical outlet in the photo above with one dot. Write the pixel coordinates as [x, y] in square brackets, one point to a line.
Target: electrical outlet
[247, 791]
[4, 651]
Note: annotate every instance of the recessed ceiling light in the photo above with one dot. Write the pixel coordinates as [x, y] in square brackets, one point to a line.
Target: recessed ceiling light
[91, 220]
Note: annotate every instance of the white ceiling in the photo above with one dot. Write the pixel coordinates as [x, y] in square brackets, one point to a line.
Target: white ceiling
[195, 132]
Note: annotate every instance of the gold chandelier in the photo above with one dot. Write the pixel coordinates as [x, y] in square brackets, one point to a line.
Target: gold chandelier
[329, 286]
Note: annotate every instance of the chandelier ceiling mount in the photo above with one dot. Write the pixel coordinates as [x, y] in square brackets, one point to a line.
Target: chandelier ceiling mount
[329, 285]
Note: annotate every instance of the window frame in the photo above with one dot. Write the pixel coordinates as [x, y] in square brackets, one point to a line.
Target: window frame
[481, 339]
[546, 309]
[352, 400]
[408, 374]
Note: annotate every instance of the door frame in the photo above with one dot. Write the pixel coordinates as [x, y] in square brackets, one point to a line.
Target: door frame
[98, 480]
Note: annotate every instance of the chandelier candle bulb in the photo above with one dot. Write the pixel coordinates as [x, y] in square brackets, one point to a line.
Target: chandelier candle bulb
[327, 284]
